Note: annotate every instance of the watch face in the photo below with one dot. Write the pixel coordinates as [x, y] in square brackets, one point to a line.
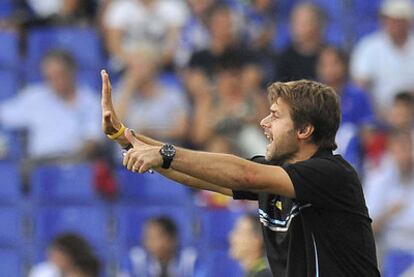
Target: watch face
[168, 151]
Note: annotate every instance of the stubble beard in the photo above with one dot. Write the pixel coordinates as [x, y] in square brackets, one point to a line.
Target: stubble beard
[286, 150]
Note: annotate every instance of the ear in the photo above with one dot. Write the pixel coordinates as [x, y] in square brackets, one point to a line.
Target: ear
[305, 132]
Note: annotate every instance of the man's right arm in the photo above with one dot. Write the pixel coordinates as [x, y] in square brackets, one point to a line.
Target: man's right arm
[181, 177]
[111, 124]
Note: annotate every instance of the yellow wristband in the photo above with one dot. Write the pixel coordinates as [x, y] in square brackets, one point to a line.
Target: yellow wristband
[117, 134]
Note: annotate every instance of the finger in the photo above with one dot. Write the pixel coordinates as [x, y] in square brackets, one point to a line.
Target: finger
[126, 158]
[144, 168]
[106, 91]
[131, 162]
[130, 136]
[136, 166]
[108, 117]
[111, 123]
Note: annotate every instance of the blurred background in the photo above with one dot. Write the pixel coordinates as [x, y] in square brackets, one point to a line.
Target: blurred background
[193, 73]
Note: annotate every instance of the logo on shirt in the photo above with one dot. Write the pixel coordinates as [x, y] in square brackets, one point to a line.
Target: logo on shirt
[280, 225]
[278, 205]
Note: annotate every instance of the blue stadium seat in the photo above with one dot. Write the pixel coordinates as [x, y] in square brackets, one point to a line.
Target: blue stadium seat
[366, 9]
[151, 188]
[281, 38]
[91, 222]
[335, 34]
[171, 80]
[10, 182]
[334, 9]
[396, 263]
[11, 231]
[83, 43]
[365, 27]
[216, 225]
[9, 51]
[218, 263]
[10, 263]
[65, 183]
[131, 219]
[9, 83]
[12, 140]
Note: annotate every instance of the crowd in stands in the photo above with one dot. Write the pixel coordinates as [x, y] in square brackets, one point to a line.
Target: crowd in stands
[194, 73]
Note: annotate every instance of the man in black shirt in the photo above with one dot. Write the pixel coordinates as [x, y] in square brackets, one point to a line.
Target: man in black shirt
[312, 208]
[298, 60]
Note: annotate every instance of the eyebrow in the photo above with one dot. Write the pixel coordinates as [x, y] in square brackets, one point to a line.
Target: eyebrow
[275, 111]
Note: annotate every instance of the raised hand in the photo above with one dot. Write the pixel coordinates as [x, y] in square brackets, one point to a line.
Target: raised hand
[142, 157]
[110, 122]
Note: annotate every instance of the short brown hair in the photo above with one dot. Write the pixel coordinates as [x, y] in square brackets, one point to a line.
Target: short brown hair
[311, 103]
[63, 56]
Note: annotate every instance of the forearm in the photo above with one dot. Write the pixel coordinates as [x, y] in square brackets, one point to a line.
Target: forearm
[233, 172]
[194, 182]
[230, 171]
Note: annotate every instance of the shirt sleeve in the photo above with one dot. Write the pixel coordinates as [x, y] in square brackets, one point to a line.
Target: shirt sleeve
[365, 111]
[319, 181]
[91, 120]
[245, 195]
[175, 13]
[115, 17]
[15, 113]
[248, 195]
[363, 61]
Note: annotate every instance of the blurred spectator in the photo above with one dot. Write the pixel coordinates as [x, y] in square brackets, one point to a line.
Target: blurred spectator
[400, 117]
[225, 41]
[194, 35]
[160, 256]
[32, 13]
[61, 118]
[393, 72]
[357, 115]
[128, 22]
[225, 113]
[247, 247]
[401, 114]
[260, 28]
[144, 103]
[260, 24]
[69, 255]
[298, 61]
[389, 196]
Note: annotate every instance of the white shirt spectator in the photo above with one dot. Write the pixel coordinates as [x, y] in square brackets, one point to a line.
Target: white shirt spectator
[45, 269]
[55, 128]
[384, 190]
[141, 23]
[160, 112]
[44, 8]
[388, 68]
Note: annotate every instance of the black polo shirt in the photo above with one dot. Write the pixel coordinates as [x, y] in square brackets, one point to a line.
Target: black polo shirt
[326, 230]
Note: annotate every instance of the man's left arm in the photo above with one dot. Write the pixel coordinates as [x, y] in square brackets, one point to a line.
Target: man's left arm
[229, 171]
[233, 172]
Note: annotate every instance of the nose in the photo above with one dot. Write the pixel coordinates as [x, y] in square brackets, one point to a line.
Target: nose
[265, 122]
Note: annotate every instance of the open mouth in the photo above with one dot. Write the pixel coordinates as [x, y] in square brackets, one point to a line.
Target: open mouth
[268, 136]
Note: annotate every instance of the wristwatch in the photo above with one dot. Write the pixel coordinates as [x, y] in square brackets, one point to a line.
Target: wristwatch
[167, 152]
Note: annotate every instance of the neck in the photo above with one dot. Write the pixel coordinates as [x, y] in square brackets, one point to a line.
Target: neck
[305, 152]
[250, 262]
[309, 46]
[147, 89]
[337, 86]
[406, 173]
[68, 95]
[219, 45]
[400, 42]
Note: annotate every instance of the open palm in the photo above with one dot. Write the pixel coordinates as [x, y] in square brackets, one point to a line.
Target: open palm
[110, 122]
